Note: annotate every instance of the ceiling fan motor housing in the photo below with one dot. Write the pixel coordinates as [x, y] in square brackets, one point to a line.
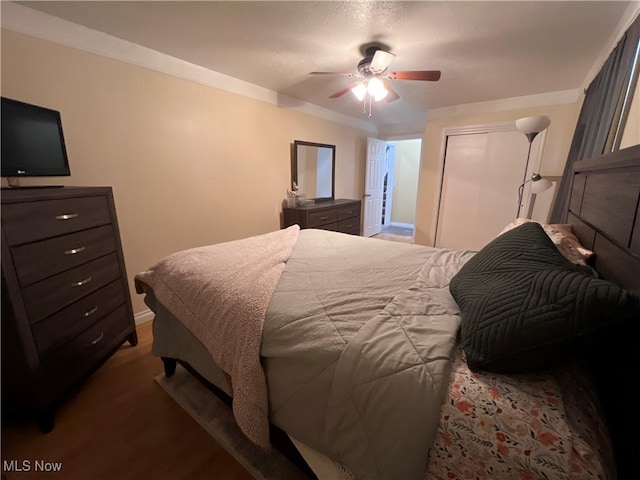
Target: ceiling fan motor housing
[364, 66]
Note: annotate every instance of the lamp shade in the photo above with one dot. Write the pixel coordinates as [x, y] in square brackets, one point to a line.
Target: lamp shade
[533, 124]
[540, 185]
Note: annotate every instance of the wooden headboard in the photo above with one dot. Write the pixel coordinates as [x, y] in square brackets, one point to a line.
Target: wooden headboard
[604, 211]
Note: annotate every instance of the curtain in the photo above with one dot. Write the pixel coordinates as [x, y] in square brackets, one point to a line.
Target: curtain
[598, 113]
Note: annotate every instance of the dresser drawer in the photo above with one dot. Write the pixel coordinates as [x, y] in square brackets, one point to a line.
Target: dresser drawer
[350, 225]
[31, 221]
[60, 327]
[320, 218]
[39, 260]
[48, 296]
[348, 212]
[328, 226]
[64, 366]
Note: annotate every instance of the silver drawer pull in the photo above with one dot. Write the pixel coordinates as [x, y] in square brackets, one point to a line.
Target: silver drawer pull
[324, 218]
[81, 282]
[349, 212]
[98, 338]
[66, 216]
[73, 251]
[349, 226]
[90, 312]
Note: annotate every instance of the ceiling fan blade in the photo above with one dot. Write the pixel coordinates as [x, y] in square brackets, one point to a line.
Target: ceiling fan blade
[381, 60]
[339, 93]
[332, 73]
[392, 96]
[428, 75]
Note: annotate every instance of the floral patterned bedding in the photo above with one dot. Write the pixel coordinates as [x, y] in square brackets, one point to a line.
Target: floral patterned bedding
[521, 427]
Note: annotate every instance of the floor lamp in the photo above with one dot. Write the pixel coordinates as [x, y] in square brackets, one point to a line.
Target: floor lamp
[531, 127]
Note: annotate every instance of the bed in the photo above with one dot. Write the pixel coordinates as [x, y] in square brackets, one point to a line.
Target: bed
[365, 364]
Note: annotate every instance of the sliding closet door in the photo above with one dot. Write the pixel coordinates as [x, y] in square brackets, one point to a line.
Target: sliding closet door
[479, 194]
[464, 161]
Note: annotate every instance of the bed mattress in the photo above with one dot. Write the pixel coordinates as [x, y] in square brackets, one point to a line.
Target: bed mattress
[336, 287]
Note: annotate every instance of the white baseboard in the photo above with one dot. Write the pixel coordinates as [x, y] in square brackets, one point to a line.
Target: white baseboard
[401, 225]
[143, 317]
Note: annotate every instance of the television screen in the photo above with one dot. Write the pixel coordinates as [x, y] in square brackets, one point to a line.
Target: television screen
[32, 141]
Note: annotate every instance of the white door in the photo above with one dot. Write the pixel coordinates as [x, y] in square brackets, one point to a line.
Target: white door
[479, 195]
[374, 177]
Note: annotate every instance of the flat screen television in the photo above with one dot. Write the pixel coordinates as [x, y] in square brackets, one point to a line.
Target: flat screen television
[32, 141]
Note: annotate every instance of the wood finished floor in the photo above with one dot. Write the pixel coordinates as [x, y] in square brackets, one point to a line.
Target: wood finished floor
[121, 425]
[403, 231]
[396, 234]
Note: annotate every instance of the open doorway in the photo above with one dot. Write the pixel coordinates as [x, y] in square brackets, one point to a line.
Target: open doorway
[391, 188]
[400, 189]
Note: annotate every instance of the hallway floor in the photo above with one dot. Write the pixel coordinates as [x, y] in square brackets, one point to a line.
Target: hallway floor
[396, 234]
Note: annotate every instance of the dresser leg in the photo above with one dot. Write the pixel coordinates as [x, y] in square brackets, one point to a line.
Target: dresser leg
[45, 420]
[133, 338]
[169, 366]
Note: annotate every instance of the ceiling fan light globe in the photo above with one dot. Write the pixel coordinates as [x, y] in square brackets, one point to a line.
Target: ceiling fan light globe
[359, 91]
[381, 94]
[375, 87]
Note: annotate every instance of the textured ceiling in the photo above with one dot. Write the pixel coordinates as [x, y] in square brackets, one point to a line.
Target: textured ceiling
[485, 50]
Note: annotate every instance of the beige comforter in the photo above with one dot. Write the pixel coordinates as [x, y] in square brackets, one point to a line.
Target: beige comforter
[221, 293]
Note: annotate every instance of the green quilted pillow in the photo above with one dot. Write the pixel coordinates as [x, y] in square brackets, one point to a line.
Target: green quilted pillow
[524, 306]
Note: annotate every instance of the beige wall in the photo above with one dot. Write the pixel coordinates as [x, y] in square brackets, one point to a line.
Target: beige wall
[189, 165]
[405, 177]
[554, 155]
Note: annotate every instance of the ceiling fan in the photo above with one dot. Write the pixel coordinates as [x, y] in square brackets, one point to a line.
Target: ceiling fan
[374, 83]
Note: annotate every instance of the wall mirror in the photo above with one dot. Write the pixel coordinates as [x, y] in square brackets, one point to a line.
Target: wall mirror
[313, 169]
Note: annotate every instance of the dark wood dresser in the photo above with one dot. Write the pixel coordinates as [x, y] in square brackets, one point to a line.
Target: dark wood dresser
[65, 299]
[336, 215]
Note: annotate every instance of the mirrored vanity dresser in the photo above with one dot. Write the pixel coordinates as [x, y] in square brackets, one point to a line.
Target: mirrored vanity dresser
[313, 167]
